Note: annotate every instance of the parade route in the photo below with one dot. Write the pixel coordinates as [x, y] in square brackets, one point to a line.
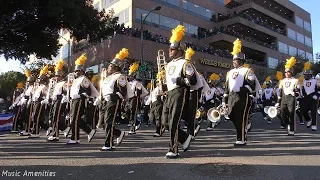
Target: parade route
[270, 154]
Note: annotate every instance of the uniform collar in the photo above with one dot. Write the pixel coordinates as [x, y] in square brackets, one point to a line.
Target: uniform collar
[179, 58]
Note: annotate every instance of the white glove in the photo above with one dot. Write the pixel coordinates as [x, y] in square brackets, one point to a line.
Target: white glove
[29, 102]
[315, 97]
[45, 101]
[97, 102]
[11, 107]
[277, 105]
[212, 101]
[64, 99]
[223, 104]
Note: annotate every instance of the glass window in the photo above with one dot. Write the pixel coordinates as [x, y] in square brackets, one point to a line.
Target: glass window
[272, 62]
[139, 12]
[309, 56]
[283, 47]
[123, 16]
[307, 41]
[300, 38]
[301, 53]
[197, 10]
[299, 21]
[173, 2]
[292, 51]
[108, 3]
[307, 26]
[168, 22]
[292, 34]
[191, 29]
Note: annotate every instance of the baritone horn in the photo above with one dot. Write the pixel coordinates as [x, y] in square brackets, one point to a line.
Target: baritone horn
[272, 111]
[214, 114]
[200, 112]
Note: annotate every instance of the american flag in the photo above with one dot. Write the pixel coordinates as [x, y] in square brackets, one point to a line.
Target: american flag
[6, 121]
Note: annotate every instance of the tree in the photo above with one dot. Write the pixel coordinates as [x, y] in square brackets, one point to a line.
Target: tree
[8, 83]
[23, 23]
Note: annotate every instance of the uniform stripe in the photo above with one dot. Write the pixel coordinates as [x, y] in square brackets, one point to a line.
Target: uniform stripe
[113, 121]
[37, 124]
[76, 121]
[30, 116]
[57, 120]
[177, 128]
[243, 118]
[16, 117]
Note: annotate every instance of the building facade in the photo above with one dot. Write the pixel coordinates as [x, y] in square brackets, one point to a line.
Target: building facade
[270, 30]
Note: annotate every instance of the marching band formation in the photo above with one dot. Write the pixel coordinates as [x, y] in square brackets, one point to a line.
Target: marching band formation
[179, 95]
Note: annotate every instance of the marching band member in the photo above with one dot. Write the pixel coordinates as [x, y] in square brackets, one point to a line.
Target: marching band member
[211, 97]
[267, 97]
[201, 101]
[240, 83]
[38, 103]
[114, 88]
[135, 102]
[80, 91]
[16, 107]
[193, 102]
[279, 77]
[25, 102]
[310, 88]
[287, 100]
[58, 107]
[156, 107]
[180, 75]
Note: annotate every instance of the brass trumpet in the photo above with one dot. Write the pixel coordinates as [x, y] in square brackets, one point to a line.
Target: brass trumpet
[214, 114]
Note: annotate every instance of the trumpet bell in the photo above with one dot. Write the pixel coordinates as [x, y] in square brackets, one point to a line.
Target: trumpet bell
[272, 112]
[198, 114]
[213, 115]
[265, 109]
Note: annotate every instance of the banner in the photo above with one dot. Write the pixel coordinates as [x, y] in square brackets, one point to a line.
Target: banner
[215, 63]
[6, 121]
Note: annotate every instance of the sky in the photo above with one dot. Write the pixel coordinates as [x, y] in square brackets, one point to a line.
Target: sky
[308, 5]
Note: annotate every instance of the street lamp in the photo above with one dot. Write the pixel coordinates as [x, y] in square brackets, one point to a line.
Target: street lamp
[141, 27]
[69, 47]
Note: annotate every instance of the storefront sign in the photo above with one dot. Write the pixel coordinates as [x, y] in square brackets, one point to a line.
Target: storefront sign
[215, 63]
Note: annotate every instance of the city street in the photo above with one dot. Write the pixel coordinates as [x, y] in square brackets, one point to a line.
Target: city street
[270, 154]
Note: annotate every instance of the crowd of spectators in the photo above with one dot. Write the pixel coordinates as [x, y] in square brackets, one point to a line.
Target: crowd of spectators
[224, 29]
[256, 20]
[135, 32]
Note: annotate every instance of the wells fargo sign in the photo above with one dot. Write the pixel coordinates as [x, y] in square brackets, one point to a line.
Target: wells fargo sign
[215, 63]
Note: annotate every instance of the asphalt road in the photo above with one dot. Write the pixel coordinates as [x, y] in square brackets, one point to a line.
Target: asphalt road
[270, 154]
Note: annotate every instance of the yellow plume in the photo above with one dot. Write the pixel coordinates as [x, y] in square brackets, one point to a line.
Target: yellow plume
[189, 53]
[177, 34]
[28, 73]
[20, 85]
[307, 66]
[81, 60]
[279, 75]
[94, 79]
[149, 86]
[44, 70]
[214, 77]
[268, 79]
[246, 65]
[123, 54]
[133, 68]
[290, 63]
[264, 86]
[300, 79]
[59, 65]
[236, 47]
